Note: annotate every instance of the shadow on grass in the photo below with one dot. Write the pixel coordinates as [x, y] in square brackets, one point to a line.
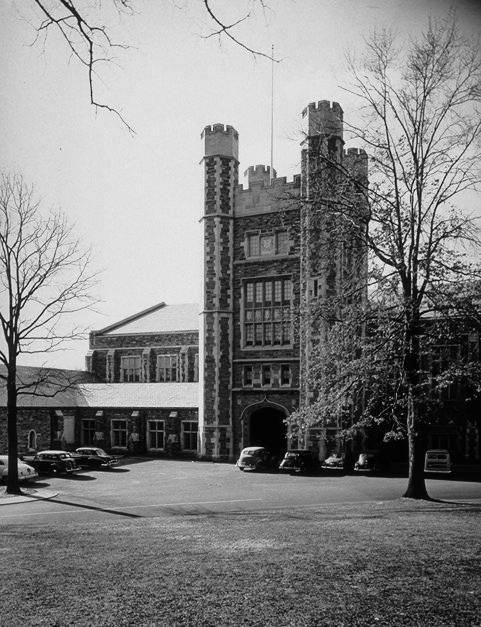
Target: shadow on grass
[77, 477]
[115, 470]
[95, 508]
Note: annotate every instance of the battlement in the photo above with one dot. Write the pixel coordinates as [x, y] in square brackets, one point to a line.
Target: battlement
[220, 139]
[259, 174]
[354, 151]
[324, 118]
[356, 161]
[263, 197]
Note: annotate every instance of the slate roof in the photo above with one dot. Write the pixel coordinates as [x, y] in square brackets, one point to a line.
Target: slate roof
[76, 388]
[160, 318]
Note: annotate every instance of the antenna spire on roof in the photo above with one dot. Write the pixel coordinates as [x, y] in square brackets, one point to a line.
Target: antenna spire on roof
[271, 173]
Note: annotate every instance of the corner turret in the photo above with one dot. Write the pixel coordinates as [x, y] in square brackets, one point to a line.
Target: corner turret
[221, 140]
[355, 161]
[324, 118]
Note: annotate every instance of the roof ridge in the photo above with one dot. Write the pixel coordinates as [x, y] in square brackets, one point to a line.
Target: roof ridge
[131, 318]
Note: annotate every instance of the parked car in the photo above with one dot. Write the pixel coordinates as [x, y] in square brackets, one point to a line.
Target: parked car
[93, 457]
[55, 462]
[25, 471]
[333, 462]
[299, 461]
[256, 458]
[437, 460]
[366, 462]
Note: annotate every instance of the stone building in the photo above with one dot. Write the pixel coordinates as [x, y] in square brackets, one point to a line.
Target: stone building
[207, 380]
[263, 262]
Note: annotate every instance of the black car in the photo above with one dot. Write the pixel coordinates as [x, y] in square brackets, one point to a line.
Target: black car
[94, 457]
[54, 462]
[299, 461]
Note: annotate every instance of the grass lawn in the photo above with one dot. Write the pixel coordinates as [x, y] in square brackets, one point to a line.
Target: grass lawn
[397, 563]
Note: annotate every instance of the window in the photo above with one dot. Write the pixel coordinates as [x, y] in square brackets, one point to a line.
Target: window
[282, 242]
[130, 369]
[266, 375]
[253, 245]
[119, 433]
[32, 440]
[247, 375]
[167, 368]
[285, 374]
[196, 367]
[315, 287]
[189, 435]
[267, 312]
[156, 434]
[87, 435]
[267, 244]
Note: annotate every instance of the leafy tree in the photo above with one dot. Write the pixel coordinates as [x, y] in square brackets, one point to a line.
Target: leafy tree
[421, 126]
[44, 278]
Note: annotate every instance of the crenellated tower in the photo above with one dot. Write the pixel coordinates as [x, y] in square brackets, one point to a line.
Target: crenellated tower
[220, 180]
[332, 253]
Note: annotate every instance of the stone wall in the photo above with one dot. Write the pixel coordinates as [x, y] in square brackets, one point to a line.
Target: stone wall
[37, 420]
[105, 363]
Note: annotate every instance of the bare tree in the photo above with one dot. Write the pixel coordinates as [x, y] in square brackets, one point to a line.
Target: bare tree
[45, 276]
[421, 126]
[90, 42]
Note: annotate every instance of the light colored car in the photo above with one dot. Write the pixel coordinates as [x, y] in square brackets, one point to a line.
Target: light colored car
[333, 462]
[437, 460]
[25, 472]
[255, 458]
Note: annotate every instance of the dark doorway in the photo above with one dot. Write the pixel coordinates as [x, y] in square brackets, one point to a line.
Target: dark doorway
[267, 428]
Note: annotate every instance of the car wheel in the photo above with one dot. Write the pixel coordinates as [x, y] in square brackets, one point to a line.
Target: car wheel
[241, 469]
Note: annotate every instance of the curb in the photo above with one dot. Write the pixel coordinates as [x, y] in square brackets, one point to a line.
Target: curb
[33, 495]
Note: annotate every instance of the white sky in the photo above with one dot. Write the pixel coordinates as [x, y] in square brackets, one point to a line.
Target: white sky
[137, 199]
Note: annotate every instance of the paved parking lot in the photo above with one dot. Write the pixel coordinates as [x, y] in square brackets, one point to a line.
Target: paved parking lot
[153, 488]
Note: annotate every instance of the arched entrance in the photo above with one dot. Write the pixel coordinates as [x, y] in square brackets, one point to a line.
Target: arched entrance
[267, 428]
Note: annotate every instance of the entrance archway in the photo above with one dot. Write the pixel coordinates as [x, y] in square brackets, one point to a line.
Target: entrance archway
[267, 428]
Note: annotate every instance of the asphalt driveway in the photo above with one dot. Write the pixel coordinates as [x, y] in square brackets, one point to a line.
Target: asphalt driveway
[141, 488]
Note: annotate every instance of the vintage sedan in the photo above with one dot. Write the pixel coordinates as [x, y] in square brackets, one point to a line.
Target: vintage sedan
[94, 457]
[299, 461]
[55, 462]
[25, 471]
[255, 458]
[366, 462]
[333, 462]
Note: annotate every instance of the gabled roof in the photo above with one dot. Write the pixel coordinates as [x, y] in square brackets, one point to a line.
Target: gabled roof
[160, 318]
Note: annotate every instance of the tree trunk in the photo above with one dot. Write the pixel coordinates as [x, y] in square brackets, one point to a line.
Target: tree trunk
[416, 484]
[13, 486]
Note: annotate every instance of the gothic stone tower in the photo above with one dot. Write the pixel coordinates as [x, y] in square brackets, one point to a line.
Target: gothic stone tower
[265, 258]
[221, 177]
